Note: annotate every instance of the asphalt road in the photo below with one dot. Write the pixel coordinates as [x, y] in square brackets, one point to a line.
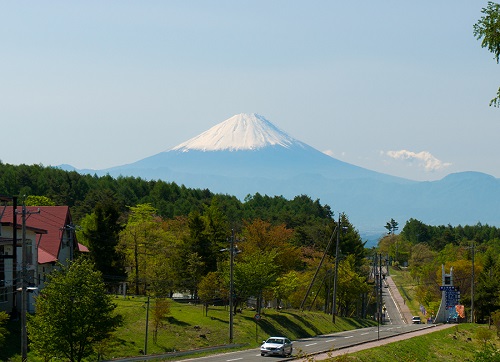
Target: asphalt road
[392, 313]
[320, 344]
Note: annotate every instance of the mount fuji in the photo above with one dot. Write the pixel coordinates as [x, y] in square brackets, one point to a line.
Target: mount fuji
[247, 154]
[245, 145]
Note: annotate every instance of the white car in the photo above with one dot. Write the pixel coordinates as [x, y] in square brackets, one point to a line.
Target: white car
[416, 320]
[279, 346]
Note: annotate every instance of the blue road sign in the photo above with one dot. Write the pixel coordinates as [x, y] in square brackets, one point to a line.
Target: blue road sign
[447, 287]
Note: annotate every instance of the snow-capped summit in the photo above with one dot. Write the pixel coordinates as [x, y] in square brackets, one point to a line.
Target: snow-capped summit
[240, 132]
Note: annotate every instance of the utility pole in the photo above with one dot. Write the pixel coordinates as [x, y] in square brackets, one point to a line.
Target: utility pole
[231, 286]
[14, 255]
[472, 287]
[24, 295]
[147, 327]
[24, 285]
[71, 239]
[376, 277]
[387, 264]
[232, 252]
[380, 288]
[328, 290]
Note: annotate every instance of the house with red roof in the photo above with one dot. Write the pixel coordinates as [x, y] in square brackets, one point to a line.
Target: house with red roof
[50, 240]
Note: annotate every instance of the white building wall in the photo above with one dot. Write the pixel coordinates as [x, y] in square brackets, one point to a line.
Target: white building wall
[14, 296]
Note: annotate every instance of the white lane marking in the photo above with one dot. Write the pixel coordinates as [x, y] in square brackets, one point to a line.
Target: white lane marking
[348, 337]
[364, 334]
[234, 359]
[331, 340]
[312, 344]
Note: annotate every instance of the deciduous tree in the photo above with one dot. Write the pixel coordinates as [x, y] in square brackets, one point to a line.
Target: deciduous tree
[488, 29]
[139, 241]
[262, 237]
[255, 273]
[33, 200]
[285, 285]
[161, 310]
[211, 288]
[351, 285]
[73, 313]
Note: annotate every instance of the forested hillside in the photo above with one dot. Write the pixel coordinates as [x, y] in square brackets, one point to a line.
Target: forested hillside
[164, 238]
[83, 192]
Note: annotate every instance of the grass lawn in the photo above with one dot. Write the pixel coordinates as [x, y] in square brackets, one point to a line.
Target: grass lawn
[406, 287]
[459, 343]
[187, 327]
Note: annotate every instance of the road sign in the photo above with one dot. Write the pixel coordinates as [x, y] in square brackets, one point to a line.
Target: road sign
[447, 287]
[452, 298]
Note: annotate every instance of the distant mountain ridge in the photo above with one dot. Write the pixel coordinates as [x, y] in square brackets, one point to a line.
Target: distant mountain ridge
[247, 154]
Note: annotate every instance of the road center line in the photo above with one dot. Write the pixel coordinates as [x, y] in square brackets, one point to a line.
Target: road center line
[348, 337]
[312, 344]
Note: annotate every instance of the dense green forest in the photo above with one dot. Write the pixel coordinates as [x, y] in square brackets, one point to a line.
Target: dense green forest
[164, 238]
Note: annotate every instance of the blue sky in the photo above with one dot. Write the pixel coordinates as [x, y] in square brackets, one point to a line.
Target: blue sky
[394, 86]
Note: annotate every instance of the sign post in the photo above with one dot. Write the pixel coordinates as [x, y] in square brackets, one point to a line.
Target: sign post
[257, 318]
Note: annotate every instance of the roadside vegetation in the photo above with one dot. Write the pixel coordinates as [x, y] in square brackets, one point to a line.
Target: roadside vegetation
[163, 240]
[463, 342]
[419, 253]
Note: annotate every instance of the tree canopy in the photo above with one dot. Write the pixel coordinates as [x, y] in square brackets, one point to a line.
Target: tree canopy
[488, 29]
[73, 313]
[4, 317]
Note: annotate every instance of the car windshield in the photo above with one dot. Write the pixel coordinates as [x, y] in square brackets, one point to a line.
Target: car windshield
[275, 340]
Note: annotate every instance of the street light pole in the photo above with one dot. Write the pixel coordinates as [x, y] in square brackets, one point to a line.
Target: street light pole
[334, 308]
[472, 320]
